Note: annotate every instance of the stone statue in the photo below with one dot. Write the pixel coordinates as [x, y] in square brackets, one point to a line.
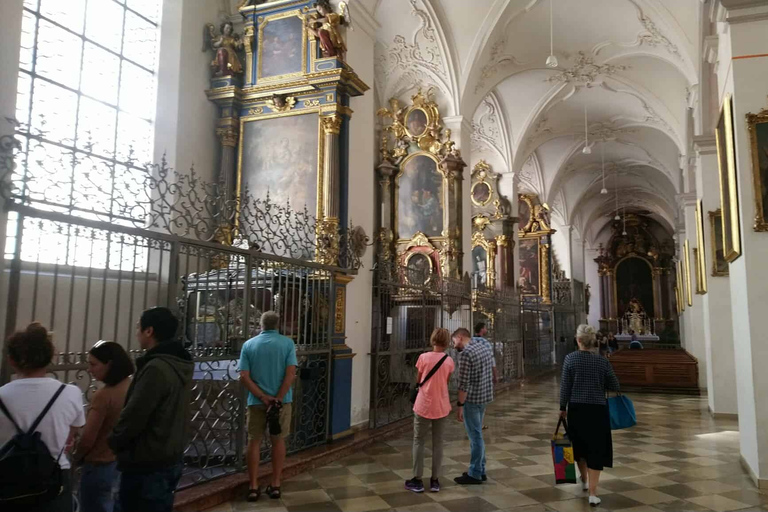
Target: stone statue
[225, 47]
[325, 27]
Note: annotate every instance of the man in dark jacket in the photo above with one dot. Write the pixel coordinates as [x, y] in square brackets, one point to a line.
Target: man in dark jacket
[152, 432]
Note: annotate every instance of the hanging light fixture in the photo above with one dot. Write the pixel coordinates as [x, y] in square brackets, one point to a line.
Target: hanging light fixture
[624, 232]
[616, 188]
[604, 190]
[551, 60]
[587, 150]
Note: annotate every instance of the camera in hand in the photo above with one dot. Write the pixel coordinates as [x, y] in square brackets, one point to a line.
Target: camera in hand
[273, 418]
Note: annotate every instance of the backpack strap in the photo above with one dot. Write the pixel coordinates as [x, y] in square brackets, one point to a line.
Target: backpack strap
[5, 411]
[432, 371]
[47, 408]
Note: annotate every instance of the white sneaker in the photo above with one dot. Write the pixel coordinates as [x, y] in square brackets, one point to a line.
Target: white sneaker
[584, 485]
[594, 501]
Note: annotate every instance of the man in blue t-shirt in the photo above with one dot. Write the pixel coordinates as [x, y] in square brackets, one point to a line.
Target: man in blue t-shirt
[267, 370]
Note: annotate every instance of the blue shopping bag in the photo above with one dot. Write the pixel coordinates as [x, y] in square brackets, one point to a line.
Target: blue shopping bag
[622, 412]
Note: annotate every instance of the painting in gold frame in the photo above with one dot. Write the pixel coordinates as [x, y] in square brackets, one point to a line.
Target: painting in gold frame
[282, 49]
[677, 300]
[529, 282]
[700, 262]
[680, 287]
[419, 197]
[687, 273]
[729, 198]
[719, 265]
[757, 125]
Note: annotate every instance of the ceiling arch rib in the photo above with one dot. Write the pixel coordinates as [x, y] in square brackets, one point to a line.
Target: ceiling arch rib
[489, 130]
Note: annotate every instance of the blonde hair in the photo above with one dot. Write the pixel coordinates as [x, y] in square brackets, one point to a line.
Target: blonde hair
[440, 337]
[586, 336]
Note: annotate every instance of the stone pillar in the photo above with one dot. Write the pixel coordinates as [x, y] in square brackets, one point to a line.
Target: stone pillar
[743, 72]
[504, 263]
[461, 130]
[716, 303]
[455, 244]
[386, 233]
[228, 133]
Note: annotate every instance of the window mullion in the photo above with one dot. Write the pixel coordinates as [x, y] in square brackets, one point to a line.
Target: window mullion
[117, 119]
[77, 114]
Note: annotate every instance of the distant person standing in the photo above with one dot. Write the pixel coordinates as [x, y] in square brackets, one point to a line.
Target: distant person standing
[635, 344]
[431, 410]
[152, 432]
[475, 393]
[267, 370]
[613, 343]
[586, 379]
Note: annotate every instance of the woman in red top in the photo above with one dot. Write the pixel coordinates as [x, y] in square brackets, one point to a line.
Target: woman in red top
[431, 408]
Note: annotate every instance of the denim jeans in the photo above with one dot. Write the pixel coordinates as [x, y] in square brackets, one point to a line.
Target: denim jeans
[99, 484]
[473, 422]
[149, 490]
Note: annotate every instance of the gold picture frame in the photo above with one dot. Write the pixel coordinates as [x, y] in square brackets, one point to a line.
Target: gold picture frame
[719, 265]
[487, 199]
[677, 300]
[478, 240]
[757, 126]
[729, 197]
[687, 264]
[680, 287]
[431, 265]
[699, 252]
[444, 184]
[263, 22]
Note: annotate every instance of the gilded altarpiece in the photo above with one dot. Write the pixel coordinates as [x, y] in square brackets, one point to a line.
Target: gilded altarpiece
[492, 231]
[534, 255]
[420, 191]
[283, 89]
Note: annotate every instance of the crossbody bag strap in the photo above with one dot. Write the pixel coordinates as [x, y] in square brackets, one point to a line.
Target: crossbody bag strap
[433, 370]
[5, 411]
[47, 408]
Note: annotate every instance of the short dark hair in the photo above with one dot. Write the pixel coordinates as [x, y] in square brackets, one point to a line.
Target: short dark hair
[461, 332]
[31, 349]
[479, 326]
[163, 322]
[121, 365]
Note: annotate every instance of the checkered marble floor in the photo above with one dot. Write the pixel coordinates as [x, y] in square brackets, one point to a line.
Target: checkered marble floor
[676, 459]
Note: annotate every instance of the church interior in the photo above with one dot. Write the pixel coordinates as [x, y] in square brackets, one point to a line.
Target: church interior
[372, 170]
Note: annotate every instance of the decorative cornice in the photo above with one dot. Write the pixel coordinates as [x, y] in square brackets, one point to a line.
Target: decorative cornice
[705, 144]
[686, 200]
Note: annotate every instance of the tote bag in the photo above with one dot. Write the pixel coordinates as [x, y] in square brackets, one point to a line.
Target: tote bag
[622, 412]
[562, 456]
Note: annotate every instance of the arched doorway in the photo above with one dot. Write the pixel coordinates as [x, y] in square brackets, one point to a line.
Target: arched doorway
[634, 280]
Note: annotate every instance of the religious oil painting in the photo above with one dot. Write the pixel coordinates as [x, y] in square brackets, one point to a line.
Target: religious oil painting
[528, 282]
[523, 213]
[419, 197]
[700, 259]
[758, 139]
[419, 267]
[679, 280]
[479, 265]
[729, 199]
[481, 193]
[634, 290]
[279, 157]
[281, 47]
[719, 265]
[687, 270]
[416, 122]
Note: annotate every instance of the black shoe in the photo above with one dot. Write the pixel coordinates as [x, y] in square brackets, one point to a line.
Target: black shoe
[485, 478]
[414, 485]
[465, 479]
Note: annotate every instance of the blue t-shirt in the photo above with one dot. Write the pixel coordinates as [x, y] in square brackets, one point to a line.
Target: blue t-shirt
[266, 357]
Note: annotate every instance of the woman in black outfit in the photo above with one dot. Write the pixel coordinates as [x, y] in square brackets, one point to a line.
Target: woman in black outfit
[586, 378]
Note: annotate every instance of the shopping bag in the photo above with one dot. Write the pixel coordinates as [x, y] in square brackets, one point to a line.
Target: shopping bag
[622, 412]
[562, 456]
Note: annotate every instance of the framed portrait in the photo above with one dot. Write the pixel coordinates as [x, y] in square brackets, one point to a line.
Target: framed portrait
[480, 265]
[278, 156]
[419, 197]
[416, 122]
[680, 288]
[687, 272]
[757, 125]
[530, 271]
[719, 265]
[729, 197]
[481, 193]
[419, 268]
[282, 49]
[677, 300]
[700, 262]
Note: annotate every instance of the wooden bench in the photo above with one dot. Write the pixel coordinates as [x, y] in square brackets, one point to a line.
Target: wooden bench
[657, 370]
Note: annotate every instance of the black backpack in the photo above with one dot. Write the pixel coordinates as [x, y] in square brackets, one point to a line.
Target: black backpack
[29, 475]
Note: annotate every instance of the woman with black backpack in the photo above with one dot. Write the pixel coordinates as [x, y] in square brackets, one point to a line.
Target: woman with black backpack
[39, 417]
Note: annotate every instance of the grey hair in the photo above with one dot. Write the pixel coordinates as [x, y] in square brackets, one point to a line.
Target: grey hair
[269, 321]
[586, 335]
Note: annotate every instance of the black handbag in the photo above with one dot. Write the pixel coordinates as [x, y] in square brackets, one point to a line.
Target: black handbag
[414, 393]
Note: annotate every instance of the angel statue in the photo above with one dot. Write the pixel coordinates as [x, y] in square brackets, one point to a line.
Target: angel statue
[225, 46]
[325, 27]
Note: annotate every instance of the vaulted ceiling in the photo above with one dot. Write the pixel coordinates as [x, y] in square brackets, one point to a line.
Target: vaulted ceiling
[632, 65]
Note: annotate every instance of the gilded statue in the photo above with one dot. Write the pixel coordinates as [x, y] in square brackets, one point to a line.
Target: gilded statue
[324, 25]
[225, 47]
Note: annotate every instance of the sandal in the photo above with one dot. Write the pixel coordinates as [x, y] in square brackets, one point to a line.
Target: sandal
[253, 494]
[273, 492]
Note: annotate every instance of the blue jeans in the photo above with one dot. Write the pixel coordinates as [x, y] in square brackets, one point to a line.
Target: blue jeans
[473, 422]
[99, 484]
[149, 491]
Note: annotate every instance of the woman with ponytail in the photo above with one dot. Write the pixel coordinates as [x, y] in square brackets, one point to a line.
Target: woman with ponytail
[586, 378]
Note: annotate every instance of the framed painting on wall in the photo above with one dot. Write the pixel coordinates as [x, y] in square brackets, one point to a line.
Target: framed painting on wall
[419, 197]
[729, 197]
[282, 46]
[528, 283]
[687, 273]
[719, 265]
[757, 125]
[680, 287]
[700, 260]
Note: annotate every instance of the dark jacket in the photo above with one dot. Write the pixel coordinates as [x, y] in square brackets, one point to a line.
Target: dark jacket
[153, 428]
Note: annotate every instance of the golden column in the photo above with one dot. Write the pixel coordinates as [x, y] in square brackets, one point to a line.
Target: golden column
[544, 273]
[327, 230]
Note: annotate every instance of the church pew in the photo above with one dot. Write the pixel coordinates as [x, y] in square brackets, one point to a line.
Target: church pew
[657, 370]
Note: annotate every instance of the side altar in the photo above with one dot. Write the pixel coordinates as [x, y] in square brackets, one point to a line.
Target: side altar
[282, 87]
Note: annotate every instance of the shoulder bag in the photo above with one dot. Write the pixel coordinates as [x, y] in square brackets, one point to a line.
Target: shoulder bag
[414, 393]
